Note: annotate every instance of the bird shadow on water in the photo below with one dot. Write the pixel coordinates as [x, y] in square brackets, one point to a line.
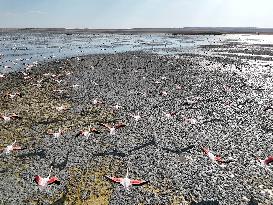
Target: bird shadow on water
[116, 153]
[179, 151]
[152, 142]
[252, 201]
[40, 153]
[2, 171]
[62, 199]
[62, 165]
[113, 152]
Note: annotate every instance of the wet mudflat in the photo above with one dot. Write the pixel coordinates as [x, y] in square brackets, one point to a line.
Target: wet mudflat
[24, 48]
[213, 103]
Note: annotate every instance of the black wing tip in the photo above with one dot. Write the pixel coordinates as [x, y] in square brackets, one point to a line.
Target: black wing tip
[58, 182]
[108, 178]
[78, 134]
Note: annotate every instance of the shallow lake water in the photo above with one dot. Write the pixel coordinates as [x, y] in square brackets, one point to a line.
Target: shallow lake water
[18, 50]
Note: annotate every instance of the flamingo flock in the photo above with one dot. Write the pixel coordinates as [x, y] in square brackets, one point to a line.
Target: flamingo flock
[112, 128]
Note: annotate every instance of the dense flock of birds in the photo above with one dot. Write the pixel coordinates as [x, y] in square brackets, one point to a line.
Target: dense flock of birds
[126, 182]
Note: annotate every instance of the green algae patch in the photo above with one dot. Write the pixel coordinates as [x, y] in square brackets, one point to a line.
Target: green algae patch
[180, 200]
[90, 188]
[173, 197]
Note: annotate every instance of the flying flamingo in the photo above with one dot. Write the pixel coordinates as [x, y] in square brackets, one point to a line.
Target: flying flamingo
[265, 162]
[190, 121]
[163, 78]
[97, 102]
[60, 91]
[43, 182]
[75, 86]
[62, 108]
[169, 115]
[13, 95]
[58, 81]
[178, 87]
[126, 182]
[137, 116]
[11, 147]
[87, 133]
[163, 93]
[10, 117]
[112, 129]
[212, 157]
[68, 73]
[117, 106]
[56, 134]
[227, 88]
[46, 74]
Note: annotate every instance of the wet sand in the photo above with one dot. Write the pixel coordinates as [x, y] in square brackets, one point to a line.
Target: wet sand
[216, 107]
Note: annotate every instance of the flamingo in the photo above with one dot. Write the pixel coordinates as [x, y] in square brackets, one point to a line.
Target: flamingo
[163, 93]
[10, 148]
[13, 95]
[43, 182]
[58, 81]
[265, 162]
[97, 102]
[137, 116]
[112, 129]
[212, 157]
[163, 78]
[227, 89]
[75, 86]
[60, 91]
[126, 182]
[46, 74]
[68, 73]
[10, 117]
[87, 133]
[178, 87]
[56, 134]
[117, 106]
[190, 121]
[169, 114]
[62, 108]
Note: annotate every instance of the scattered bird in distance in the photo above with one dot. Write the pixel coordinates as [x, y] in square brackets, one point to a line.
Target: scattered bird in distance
[112, 129]
[8, 118]
[10, 148]
[56, 134]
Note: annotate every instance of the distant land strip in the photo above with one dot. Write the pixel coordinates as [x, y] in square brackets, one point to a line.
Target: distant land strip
[174, 31]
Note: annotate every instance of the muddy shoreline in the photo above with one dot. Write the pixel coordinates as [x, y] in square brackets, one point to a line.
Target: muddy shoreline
[215, 107]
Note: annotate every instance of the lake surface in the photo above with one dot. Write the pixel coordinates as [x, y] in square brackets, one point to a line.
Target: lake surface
[18, 50]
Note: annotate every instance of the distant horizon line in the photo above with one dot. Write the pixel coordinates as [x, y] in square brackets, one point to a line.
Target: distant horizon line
[185, 27]
[171, 30]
